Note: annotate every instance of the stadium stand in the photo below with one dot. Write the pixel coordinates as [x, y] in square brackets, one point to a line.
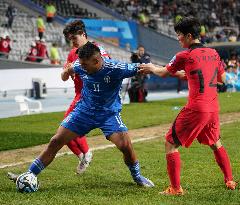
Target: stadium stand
[24, 32]
[67, 9]
[221, 19]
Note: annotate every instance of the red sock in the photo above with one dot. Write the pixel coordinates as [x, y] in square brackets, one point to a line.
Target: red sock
[73, 146]
[173, 168]
[223, 161]
[82, 144]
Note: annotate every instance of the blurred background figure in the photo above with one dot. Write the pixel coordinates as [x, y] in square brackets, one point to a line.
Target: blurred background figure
[50, 12]
[138, 91]
[42, 52]
[32, 54]
[10, 13]
[40, 26]
[5, 46]
[54, 55]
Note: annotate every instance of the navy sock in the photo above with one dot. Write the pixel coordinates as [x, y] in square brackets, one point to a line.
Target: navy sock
[135, 170]
[36, 167]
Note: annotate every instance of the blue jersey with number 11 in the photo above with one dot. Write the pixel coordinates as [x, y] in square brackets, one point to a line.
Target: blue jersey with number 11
[101, 90]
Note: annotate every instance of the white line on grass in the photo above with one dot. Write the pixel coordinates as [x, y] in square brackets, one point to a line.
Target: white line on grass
[102, 147]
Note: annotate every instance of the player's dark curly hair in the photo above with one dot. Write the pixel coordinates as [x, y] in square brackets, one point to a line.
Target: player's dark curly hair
[74, 27]
[188, 25]
[87, 51]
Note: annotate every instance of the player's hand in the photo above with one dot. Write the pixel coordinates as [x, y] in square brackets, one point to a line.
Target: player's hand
[146, 68]
[68, 67]
[182, 75]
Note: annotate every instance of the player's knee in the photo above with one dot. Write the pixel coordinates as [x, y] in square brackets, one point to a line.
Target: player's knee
[124, 145]
[216, 146]
[169, 147]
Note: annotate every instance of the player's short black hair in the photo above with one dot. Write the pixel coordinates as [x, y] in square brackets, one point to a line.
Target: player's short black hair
[74, 27]
[87, 51]
[140, 46]
[188, 25]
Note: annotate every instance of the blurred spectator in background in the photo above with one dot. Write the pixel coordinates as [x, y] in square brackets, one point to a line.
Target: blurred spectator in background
[138, 92]
[50, 12]
[38, 42]
[143, 17]
[10, 13]
[54, 54]
[40, 26]
[32, 54]
[5, 46]
[42, 52]
[233, 59]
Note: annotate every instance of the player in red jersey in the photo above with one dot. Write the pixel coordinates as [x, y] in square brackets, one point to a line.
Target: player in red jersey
[200, 117]
[76, 33]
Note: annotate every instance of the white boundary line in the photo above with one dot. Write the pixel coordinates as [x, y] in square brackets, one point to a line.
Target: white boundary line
[102, 147]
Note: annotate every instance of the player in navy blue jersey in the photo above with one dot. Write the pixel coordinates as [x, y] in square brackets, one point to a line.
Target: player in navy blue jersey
[99, 107]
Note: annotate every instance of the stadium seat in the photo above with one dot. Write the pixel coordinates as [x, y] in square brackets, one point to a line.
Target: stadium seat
[27, 105]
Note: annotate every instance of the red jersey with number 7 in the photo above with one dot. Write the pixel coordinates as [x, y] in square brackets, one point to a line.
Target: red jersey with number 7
[203, 69]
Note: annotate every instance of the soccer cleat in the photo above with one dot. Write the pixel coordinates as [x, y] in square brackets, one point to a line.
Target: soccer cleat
[172, 191]
[231, 185]
[84, 162]
[142, 181]
[12, 176]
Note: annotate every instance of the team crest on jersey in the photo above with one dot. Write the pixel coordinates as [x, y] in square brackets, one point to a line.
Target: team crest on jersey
[85, 77]
[107, 79]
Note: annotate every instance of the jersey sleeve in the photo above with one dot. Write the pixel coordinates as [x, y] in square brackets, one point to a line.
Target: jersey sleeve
[124, 70]
[177, 63]
[221, 69]
[77, 67]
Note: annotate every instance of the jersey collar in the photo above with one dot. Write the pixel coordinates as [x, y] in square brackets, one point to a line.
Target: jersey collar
[196, 45]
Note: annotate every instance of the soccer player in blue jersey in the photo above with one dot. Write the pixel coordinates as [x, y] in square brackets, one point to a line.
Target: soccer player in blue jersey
[99, 107]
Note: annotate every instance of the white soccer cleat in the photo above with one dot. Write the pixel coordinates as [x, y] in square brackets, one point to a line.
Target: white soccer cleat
[84, 162]
[12, 176]
[142, 181]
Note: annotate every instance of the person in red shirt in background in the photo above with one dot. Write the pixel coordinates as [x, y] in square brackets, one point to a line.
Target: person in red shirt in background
[42, 51]
[76, 33]
[199, 119]
[5, 46]
[32, 54]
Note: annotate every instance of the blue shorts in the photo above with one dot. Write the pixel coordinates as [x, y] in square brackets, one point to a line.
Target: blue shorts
[82, 122]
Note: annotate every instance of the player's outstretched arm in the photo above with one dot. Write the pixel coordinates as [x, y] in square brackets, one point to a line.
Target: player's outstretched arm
[150, 68]
[67, 71]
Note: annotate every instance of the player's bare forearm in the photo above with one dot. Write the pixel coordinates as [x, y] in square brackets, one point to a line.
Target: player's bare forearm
[67, 72]
[150, 68]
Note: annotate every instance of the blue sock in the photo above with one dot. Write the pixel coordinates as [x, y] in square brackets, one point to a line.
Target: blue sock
[36, 167]
[135, 170]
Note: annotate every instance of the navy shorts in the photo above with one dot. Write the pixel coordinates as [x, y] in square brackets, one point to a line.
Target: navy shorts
[82, 122]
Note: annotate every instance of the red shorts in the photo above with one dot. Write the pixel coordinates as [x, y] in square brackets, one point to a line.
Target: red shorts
[191, 124]
[72, 106]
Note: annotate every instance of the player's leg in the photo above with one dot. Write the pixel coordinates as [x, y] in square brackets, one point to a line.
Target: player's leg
[182, 133]
[123, 143]
[62, 137]
[73, 125]
[210, 135]
[223, 162]
[173, 169]
[79, 145]
[116, 131]
[87, 155]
